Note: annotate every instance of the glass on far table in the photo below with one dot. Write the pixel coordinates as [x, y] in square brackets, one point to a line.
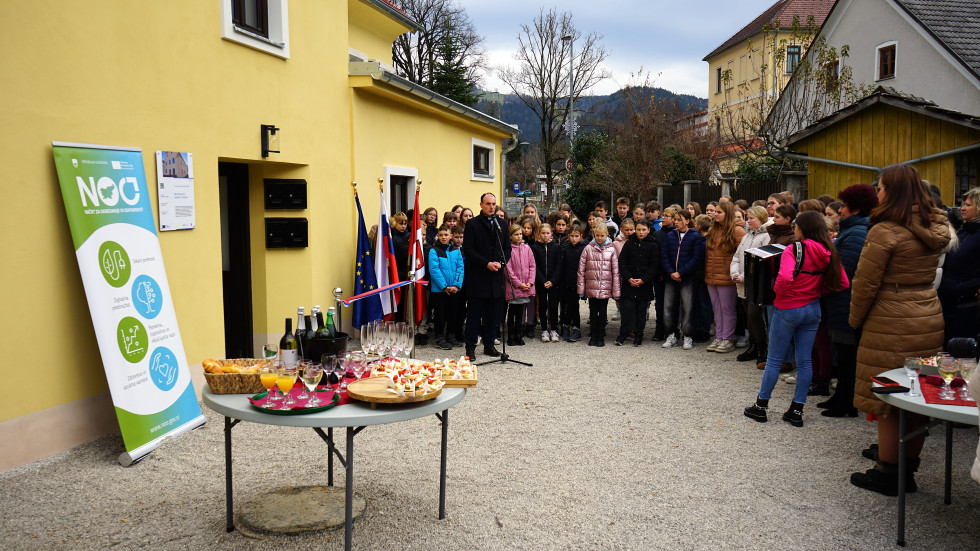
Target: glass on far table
[913, 366]
[967, 367]
[285, 382]
[311, 377]
[303, 362]
[947, 370]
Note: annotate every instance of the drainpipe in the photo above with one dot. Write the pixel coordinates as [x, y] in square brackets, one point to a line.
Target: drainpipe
[512, 144]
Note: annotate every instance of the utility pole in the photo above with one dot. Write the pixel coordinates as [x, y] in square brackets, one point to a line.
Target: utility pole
[525, 150]
[571, 102]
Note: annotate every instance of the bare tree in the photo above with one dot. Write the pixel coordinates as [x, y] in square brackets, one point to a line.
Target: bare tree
[416, 56]
[541, 78]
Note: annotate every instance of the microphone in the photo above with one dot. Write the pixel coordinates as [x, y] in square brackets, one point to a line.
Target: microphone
[493, 222]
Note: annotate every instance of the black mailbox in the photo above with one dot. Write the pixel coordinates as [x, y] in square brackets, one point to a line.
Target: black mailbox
[285, 194]
[286, 233]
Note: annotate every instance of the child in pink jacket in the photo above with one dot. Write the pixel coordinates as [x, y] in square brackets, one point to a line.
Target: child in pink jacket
[519, 288]
[598, 280]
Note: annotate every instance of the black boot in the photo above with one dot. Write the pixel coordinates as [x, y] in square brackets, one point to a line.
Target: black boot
[883, 478]
[758, 410]
[750, 353]
[574, 334]
[819, 387]
[529, 331]
[471, 353]
[794, 416]
[838, 409]
[828, 403]
[565, 332]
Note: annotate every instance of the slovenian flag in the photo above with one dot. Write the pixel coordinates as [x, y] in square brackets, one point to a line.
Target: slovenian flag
[384, 262]
[418, 260]
[365, 279]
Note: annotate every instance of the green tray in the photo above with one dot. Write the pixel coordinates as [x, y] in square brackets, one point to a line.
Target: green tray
[295, 411]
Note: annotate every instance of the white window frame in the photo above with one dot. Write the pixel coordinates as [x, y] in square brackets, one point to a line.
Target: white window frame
[877, 60]
[278, 42]
[718, 79]
[491, 162]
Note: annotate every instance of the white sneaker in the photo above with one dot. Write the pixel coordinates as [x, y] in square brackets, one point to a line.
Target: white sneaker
[670, 342]
[545, 337]
[791, 379]
[554, 336]
[783, 376]
[713, 347]
[496, 342]
[742, 342]
[615, 317]
[688, 343]
[725, 346]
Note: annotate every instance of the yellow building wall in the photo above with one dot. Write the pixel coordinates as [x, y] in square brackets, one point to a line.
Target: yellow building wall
[879, 136]
[129, 74]
[371, 31]
[746, 60]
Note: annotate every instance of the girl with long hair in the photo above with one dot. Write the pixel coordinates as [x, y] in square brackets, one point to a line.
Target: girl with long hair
[806, 271]
[720, 246]
[894, 304]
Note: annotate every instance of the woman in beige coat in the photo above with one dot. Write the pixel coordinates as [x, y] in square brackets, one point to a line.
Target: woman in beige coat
[895, 306]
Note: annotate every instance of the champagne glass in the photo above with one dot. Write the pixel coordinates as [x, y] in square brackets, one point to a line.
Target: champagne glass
[381, 338]
[268, 376]
[967, 367]
[409, 337]
[367, 339]
[391, 334]
[398, 338]
[285, 382]
[311, 377]
[359, 363]
[912, 368]
[947, 370]
[329, 363]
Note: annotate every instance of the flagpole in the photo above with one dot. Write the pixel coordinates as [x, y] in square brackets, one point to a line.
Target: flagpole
[410, 308]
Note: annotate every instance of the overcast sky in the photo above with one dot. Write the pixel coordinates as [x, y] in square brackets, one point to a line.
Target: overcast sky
[669, 37]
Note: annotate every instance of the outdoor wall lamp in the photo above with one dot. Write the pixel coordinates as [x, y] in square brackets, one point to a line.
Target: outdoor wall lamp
[270, 139]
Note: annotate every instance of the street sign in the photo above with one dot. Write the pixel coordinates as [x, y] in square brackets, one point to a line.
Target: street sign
[569, 165]
[517, 187]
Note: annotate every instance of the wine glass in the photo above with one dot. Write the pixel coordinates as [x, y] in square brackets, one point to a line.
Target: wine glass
[270, 351]
[358, 364]
[967, 367]
[381, 338]
[311, 377]
[947, 370]
[275, 367]
[285, 382]
[398, 338]
[301, 366]
[268, 375]
[912, 368]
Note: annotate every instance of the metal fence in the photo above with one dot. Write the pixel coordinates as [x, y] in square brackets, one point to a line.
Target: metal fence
[705, 193]
[671, 195]
[755, 190]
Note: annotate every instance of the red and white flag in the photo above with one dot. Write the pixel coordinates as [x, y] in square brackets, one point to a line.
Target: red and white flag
[418, 259]
[384, 262]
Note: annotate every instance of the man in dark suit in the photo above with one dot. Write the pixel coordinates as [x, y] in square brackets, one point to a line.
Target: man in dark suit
[486, 249]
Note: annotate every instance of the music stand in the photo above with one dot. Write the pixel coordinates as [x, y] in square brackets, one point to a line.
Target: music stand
[502, 324]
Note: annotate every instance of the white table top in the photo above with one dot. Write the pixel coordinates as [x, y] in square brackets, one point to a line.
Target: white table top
[958, 414]
[354, 414]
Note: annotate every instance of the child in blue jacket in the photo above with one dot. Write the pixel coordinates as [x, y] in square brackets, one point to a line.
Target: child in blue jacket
[681, 256]
[445, 281]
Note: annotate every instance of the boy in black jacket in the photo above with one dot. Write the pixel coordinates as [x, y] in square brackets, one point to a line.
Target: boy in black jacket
[570, 254]
[547, 264]
[639, 265]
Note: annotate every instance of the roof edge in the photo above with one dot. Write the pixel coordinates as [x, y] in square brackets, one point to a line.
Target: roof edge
[395, 13]
[376, 72]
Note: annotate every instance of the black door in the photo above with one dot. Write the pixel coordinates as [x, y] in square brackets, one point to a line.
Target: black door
[235, 259]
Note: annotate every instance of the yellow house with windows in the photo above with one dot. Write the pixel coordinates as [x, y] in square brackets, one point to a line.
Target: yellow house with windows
[201, 78]
[747, 72]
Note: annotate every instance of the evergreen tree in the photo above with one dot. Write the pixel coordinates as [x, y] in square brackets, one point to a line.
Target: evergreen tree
[451, 76]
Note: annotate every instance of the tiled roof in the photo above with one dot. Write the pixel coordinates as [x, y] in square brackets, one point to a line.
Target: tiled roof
[781, 13]
[955, 23]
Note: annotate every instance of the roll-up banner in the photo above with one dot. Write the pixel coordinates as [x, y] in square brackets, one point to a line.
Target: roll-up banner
[118, 251]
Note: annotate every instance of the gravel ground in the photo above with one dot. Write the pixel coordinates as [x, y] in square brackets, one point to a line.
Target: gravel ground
[592, 448]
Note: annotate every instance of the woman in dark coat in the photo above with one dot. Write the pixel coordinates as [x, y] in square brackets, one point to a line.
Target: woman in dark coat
[961, 274]
[856, 203]
[894, 304]
[639, 265]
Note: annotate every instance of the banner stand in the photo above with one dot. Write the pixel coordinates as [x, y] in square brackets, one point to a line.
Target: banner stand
[128, 458]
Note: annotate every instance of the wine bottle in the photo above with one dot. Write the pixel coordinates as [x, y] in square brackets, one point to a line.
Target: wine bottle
[331, 326]
[316, 308]
[310, 325]
[288, 346]
[300, 330]
[321, 332]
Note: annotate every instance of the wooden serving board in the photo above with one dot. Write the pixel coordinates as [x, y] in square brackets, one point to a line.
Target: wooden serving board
[463, 383]
[375, 391]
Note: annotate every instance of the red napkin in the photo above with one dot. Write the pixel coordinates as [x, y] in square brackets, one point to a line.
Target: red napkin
[938, 381]
[930, 393]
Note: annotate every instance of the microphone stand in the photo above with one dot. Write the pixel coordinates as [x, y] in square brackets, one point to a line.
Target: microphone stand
[502, 323]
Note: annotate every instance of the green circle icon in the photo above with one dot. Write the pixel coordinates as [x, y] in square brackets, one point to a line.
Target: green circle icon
[132, 339]
[114, 263]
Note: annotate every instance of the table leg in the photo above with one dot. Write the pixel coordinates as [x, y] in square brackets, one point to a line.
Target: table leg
[330, 453]
[947, 499]
[442, 464]
[901, 476]
[349, 491]
[230, 521]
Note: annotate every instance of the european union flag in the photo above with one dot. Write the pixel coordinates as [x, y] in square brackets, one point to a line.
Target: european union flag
[367, 309]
